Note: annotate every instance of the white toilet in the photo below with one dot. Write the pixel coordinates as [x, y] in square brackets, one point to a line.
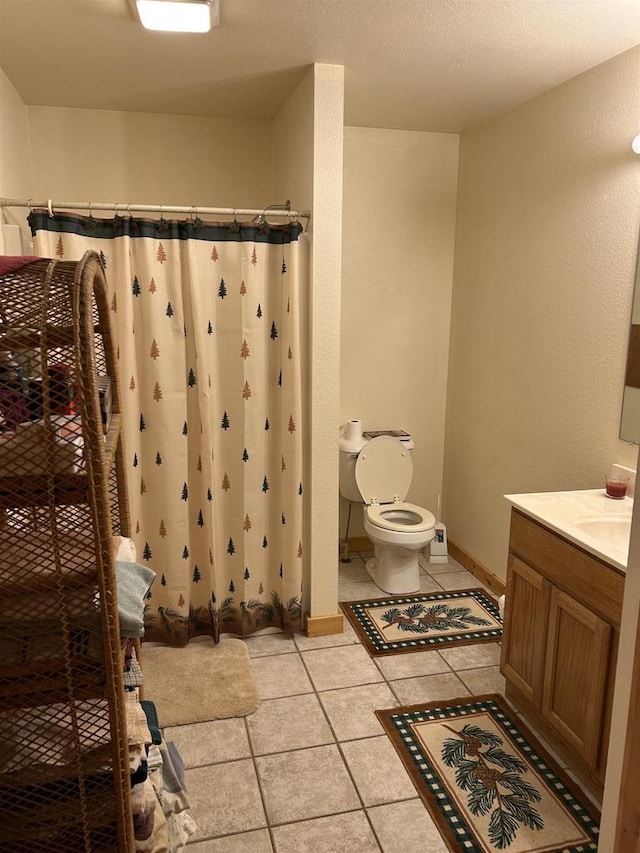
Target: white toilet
[380, 474]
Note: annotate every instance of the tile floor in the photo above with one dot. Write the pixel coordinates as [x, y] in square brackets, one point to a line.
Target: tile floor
[311, 769]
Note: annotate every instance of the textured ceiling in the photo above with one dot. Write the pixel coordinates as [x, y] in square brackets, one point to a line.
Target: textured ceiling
[439, 65]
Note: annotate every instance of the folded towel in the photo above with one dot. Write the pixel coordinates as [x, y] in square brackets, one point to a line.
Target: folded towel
[12, 263]
[133, 582]
[152, 720]
[124, 549]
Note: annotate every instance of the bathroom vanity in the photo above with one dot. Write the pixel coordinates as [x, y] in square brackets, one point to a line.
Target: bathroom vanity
[565, 584]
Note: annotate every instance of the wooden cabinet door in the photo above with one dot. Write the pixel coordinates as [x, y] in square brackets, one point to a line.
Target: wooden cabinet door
[576, 672]
[524, 638]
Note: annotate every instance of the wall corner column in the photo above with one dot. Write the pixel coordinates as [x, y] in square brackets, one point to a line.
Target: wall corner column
[324, 319]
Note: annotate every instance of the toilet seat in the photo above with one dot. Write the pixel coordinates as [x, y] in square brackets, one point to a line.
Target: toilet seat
[400, 516]
[383, 473]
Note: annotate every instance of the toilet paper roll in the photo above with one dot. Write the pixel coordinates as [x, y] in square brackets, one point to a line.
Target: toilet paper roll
[353, 430]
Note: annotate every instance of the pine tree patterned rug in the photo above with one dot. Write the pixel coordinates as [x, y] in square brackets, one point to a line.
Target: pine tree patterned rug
[486, 781]
[413, 622]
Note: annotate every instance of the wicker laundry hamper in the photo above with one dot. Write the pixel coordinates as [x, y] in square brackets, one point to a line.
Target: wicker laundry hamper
[64, 774]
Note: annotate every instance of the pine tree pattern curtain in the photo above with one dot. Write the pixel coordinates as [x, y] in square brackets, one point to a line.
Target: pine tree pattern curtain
[208, 321]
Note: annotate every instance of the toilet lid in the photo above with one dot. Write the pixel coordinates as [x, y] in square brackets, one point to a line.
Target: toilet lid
[383, 470]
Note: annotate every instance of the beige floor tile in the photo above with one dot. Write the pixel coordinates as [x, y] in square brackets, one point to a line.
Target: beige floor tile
[359, 591]
[210, 743]
[346, 638]
[340, 666]
[294, 722]
[428, 688]
[280, 675]
[472, 656]
[429, 584]
[269, 644]
[304, 784]
[458, 580]
[258, 841]
[410, 664]
[224, 798]
[406, 826]
[350, 710]
[379, 774]
[341, 833]
[440, 568]
[353, 572]
[485, 680]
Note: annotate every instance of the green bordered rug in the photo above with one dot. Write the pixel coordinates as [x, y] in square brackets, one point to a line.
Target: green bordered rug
[413, 622]
[487, 782]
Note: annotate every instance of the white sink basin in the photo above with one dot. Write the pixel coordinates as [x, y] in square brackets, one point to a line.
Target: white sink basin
[608, 529]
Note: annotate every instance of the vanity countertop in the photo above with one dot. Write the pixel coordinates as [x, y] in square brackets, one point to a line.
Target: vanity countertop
[588, 518]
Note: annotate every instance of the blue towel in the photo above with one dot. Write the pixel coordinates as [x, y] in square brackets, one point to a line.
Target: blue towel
[152, 720]
[133, 582]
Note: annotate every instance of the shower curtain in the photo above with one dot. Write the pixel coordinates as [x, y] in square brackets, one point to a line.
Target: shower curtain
[208, 322]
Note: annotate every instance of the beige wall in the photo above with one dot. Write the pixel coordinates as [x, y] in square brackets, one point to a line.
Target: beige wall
[399, 223]
[15, 149]
[546, 239]
[110, 156]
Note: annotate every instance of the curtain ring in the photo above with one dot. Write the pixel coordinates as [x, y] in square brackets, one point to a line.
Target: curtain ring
[115, 210]
[50, 208]
[234, 225]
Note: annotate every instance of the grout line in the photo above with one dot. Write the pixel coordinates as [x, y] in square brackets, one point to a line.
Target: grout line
[342, 755]
[259, 783]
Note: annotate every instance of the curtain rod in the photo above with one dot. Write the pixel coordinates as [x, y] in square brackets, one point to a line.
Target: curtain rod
[50, 205]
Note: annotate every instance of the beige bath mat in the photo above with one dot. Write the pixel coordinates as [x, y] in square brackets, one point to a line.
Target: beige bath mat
[199, 682]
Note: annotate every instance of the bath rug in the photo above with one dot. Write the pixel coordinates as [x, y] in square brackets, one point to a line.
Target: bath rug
[487, 782]
[410, 623]
[199, 682]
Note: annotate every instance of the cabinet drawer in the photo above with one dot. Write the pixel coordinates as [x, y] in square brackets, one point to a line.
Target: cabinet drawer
[592, 582]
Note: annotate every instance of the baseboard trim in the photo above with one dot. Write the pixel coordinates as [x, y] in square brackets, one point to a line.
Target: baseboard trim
[484, 575]
[322, 626]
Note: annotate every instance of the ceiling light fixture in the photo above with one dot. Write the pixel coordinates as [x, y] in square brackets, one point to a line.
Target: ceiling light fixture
[178, 16]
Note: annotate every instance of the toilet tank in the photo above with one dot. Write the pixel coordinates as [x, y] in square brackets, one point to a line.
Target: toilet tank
[347, 473]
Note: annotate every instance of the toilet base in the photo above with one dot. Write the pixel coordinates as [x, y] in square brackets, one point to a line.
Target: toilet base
[395, 570]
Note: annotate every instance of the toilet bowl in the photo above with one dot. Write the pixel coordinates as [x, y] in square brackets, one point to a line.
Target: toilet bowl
[399, 531]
